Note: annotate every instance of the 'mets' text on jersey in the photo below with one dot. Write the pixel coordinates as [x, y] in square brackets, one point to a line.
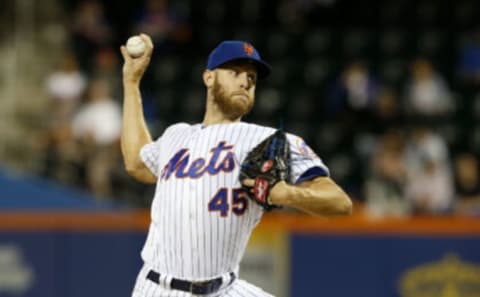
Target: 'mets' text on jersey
[222, 159]
[201, 218]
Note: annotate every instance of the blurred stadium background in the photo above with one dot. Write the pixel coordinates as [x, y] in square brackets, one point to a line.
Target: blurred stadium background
[387, 93]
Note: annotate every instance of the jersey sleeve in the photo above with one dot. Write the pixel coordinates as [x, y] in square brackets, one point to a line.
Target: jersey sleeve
[305, 164]
[150, 155]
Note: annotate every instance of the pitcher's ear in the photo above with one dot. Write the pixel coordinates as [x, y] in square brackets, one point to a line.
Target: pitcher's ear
[208, 78]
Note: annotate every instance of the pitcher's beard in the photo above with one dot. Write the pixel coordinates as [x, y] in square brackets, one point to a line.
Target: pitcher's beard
[233, 109]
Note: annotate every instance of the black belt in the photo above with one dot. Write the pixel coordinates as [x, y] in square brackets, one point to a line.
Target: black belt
[197, 288]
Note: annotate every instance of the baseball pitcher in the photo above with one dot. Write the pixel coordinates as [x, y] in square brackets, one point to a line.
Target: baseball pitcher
[215, 179]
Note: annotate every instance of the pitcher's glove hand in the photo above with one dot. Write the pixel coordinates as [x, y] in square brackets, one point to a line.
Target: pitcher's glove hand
[267, 164]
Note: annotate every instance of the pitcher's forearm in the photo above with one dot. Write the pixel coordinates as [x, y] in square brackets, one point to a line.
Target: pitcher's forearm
[319, 197]
[135, 133]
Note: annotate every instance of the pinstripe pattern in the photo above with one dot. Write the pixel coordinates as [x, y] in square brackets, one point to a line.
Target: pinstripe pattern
[186, 239]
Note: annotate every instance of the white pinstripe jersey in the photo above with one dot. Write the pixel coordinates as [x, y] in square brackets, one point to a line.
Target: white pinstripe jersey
[200, 219]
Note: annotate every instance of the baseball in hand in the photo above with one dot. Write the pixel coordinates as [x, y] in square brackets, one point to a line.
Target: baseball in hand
[135, 46]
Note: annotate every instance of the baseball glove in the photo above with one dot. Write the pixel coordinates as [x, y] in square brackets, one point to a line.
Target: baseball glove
[267, 164]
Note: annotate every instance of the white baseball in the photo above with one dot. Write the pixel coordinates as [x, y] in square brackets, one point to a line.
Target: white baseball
[135, 46]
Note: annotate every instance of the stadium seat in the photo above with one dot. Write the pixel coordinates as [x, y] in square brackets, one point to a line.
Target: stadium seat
[317, 42]
[301, 105]
[193, 105]
[250, 12]
[248, 34]
[394, 12]
[316, 71]
[448, 130]
[392, 42]
[341, 166]
[282, 71]
[465, 13]
[165, 100]
[476, 107]
[215, 12]
[269, 101]
[194, 71]
[278, 44]
[475, 139]
[393, 71]
[167, 70]
[327, 136]
[300, 128]
[430, 43]
[357, 42]
[428, 12]
[211, 35]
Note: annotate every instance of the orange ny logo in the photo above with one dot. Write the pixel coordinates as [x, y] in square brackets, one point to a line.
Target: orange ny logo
[248, 49]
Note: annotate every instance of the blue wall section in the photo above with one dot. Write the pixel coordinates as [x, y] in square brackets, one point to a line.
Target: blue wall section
[37, 258]
[75, 264]
[19, 192]
[116, 264]
[79, 264]
[366, 265]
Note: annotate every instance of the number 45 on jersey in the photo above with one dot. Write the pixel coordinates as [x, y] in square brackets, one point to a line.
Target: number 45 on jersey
[220, 201]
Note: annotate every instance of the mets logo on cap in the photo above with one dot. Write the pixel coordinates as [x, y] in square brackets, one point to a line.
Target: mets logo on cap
[248, 49]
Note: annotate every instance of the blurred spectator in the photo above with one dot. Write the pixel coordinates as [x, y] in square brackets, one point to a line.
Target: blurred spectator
[385, 186]
[67, 83]
[91, 31]
[387, 113]
[169, 29]
[469, 82]
[469, 64]
[351, 101]
[97, 128]
[165, 25]
[426, 92]
[106, 68]
[467, 184]
[356, 90]
[429, 180]
[65, 86]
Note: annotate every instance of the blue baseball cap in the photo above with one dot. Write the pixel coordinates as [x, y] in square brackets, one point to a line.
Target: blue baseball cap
[233, 50]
